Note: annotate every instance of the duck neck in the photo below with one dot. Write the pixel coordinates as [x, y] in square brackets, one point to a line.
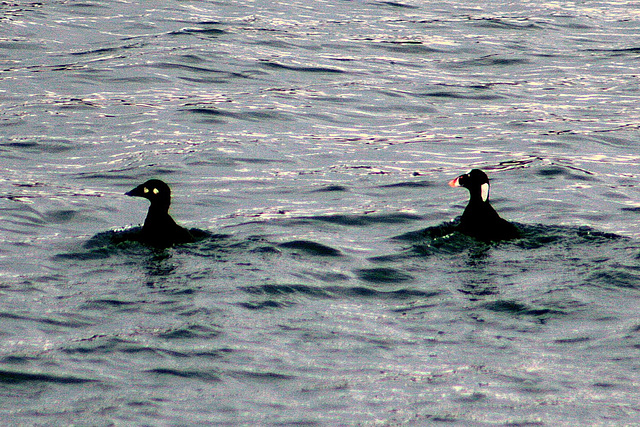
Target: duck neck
[476, 197]
[158, 212]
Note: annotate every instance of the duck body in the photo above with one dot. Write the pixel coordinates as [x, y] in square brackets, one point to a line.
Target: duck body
[479, 219]
[159, 228]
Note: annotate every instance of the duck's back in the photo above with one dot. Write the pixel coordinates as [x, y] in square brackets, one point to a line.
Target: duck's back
[482, 222]
[162, 231]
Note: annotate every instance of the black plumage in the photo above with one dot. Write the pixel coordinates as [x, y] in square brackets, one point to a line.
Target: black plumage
[479, 219]
[159, 229]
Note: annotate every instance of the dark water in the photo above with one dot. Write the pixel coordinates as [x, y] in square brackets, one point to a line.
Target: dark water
[312, 141]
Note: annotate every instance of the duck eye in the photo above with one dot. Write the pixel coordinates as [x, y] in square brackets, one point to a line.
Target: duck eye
[145, 190]
[156, 191]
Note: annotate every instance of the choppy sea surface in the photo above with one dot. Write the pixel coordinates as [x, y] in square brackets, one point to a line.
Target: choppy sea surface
[313, 140]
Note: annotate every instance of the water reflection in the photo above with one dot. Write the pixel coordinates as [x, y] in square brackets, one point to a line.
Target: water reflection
[475, 277]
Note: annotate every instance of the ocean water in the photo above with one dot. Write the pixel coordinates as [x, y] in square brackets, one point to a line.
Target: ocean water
[313, 140]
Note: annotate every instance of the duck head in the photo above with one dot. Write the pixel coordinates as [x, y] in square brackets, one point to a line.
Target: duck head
[476, 181]
[154, 190]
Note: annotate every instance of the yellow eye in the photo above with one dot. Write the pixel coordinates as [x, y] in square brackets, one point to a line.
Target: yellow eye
[156, 191]
[146, 190]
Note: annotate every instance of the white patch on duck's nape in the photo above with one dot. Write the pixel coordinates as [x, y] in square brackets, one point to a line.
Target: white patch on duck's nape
[484, 191]
[145, 190]
[155, 190]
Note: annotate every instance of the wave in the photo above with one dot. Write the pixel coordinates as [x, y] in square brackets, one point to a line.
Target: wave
[286, 295]
[444, 238]
[311, 248]
[17, 377]
[203, 375]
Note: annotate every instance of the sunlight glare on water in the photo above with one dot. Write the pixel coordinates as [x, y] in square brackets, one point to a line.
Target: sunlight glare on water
[309, 144]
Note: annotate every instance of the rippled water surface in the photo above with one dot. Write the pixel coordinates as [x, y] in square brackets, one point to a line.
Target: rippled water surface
[311, 142]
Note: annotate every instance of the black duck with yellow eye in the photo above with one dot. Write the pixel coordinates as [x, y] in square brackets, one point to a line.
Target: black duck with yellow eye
[159, 229]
